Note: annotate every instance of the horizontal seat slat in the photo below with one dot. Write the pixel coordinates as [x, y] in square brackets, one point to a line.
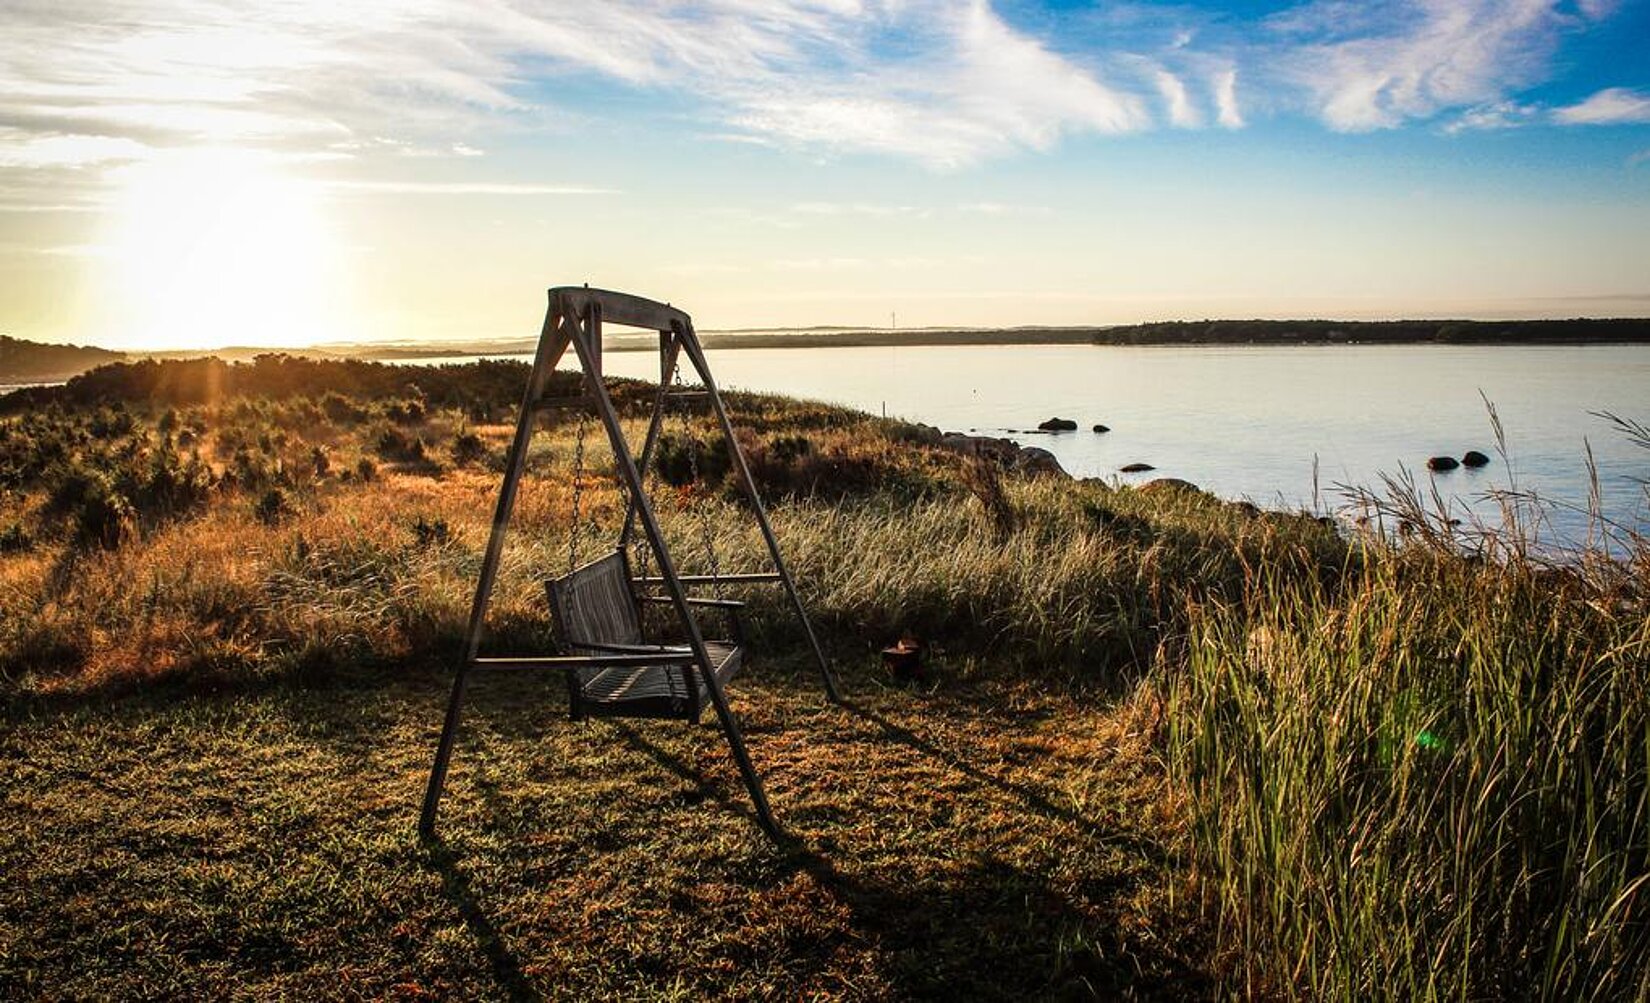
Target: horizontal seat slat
[594, 604]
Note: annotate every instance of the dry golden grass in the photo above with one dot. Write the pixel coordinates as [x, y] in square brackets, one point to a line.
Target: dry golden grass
[981, 842]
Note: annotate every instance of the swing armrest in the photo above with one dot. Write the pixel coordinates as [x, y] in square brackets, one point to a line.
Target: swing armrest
[729, 607]
[662, 650]
[732, 604]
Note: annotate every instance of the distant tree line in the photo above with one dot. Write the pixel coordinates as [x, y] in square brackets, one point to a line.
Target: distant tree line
[1296, 332]
[30, 360]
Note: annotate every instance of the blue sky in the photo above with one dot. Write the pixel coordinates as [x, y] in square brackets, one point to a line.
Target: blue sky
[201, 173]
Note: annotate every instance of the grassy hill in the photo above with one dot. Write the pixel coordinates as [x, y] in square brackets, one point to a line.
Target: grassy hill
[30, 361]
[1171, 747]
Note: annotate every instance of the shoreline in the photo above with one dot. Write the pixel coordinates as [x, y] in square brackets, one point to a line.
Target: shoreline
[1263, 333]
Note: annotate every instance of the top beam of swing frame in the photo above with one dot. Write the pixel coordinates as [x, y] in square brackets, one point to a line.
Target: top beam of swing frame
[622, 308]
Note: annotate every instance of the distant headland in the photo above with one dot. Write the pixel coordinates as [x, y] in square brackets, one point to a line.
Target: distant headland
[35, 362]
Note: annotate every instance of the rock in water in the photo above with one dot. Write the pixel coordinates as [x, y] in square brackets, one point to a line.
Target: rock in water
[1137, 468]
[1058, 425]
[1442, 463]
[1475, 459]
[1163, 484]
[1039, 463]
[1102, 429]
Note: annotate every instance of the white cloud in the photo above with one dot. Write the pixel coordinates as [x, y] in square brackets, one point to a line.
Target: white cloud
[853, 209]
[1379, 64]
[66, 151]
[464, 188]
[1003, 209]
[1614, 106]
[972, 87]
[1224, 86]
[1496, 115]
[1181, 112]
[943, 82]
[940, 81]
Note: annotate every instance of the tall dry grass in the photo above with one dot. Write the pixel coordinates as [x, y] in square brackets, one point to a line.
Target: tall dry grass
[1427, 777]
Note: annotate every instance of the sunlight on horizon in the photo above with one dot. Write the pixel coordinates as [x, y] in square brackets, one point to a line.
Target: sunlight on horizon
[219, 247]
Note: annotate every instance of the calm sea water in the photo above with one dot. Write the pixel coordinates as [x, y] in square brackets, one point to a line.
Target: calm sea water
[1247, 421]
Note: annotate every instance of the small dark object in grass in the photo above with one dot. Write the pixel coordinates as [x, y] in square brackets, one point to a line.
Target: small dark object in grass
[273, 506]
[1137, 468]
[431, 532]
[468, 447]
[15, 539]
[1442, 463]
[903, 659]
[1475, 459]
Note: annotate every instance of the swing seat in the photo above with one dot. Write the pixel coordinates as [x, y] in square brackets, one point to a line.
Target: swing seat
[596, 613]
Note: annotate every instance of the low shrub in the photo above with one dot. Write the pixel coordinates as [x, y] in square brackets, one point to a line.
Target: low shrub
[273, 506]
[15, 539]
[468, 447]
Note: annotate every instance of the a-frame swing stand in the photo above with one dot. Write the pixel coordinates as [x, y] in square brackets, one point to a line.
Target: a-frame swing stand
[603, 674]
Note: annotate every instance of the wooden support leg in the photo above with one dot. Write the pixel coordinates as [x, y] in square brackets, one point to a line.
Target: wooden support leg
[696, 356]
[648, 519]
[443, 755]
[736, 742]
[551, 347]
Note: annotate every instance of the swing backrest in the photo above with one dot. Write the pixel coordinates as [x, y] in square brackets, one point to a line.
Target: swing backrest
[593, 604]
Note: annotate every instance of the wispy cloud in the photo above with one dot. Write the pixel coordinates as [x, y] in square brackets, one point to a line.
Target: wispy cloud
[65, 151]
[854, 209]
[463, 188]
[967, 86]
[1003, 209]
[946, 83]
[1496, 115]
[1615, 106]
[1179, 101]
[1224, 86]
[1379, 64]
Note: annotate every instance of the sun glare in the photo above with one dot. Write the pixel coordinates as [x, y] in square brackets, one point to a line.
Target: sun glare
[220, 248]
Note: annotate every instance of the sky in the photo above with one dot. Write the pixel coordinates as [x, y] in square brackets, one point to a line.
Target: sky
[200, 173]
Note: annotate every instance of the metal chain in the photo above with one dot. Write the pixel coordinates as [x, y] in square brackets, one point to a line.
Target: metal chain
[704, 501]
[578, 491]
[650, 482]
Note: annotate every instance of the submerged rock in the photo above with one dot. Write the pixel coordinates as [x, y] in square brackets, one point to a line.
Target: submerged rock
[1136, 468]
[1102, 429]
[1475, 459]
[1442, 463]
[1058, 425]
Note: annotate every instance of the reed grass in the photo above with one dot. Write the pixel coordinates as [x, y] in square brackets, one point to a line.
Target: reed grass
[1425, 778]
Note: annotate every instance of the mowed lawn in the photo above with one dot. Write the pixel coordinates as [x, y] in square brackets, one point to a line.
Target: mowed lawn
[966, 840]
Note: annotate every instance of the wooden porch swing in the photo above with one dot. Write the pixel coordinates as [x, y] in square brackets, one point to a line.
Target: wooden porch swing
[611, 669]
